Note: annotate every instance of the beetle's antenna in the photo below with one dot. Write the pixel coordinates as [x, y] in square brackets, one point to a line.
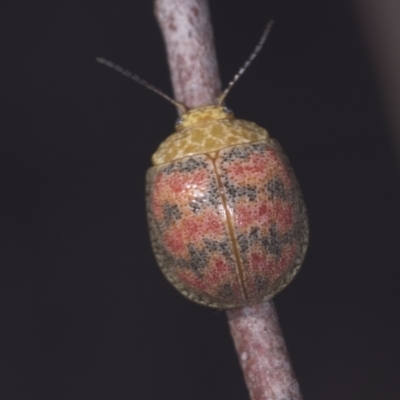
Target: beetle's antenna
[253, 55]
[180, 106]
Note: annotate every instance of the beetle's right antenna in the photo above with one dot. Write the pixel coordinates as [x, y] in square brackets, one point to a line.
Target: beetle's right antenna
[253, 55]
[180, 106]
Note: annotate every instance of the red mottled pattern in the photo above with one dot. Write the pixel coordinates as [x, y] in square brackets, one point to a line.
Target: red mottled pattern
[189, 231]
[228, 231]
[268, 215]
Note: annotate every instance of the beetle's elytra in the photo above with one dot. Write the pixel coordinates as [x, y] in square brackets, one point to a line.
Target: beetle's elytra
[227, 220]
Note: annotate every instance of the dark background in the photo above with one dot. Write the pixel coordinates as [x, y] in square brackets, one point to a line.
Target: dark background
[85, 312]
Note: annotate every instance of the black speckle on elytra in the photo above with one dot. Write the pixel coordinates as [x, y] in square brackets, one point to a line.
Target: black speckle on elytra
[250, 192]
[213, 246]
[192, 164]
[242, 151]
[188, 165]
[234, 192]
[274, 243]
[231, 191]
[276, 189]
[254, 235]
[226, 292]
[212, 195]
[261, 283]
[198, 259]
[171, 213]
[243, 243]
[196, 204]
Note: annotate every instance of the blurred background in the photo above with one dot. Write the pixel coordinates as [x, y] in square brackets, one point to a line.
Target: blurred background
[85, 312]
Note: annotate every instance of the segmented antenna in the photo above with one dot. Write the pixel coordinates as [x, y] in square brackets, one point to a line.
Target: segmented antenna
[180, 106]
[253, 55]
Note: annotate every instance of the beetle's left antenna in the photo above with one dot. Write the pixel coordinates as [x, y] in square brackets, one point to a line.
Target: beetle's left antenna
[180, 106]
[253, 55]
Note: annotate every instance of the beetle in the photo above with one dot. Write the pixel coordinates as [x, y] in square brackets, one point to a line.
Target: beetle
[226, 216]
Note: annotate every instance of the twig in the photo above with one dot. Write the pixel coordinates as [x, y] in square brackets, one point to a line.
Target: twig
[188, 35]
[262, 352]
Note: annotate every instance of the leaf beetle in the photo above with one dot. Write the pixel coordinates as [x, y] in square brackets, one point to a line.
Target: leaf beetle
[227, 220]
